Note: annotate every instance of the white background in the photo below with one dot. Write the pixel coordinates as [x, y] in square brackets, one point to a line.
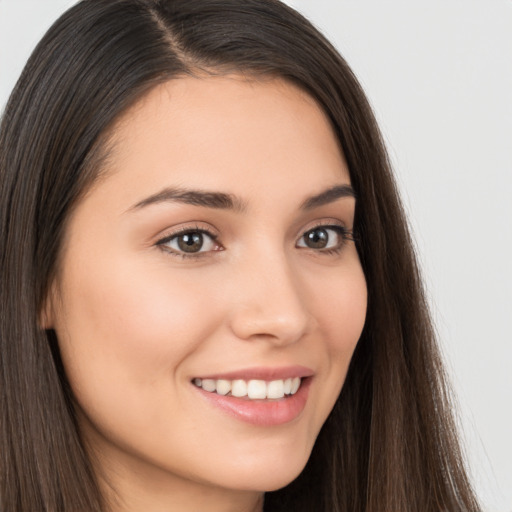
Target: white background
[439, 76]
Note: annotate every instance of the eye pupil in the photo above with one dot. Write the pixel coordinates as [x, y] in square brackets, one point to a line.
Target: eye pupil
[317, 238]
[190, 242]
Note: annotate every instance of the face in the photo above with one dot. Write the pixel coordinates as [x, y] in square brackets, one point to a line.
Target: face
[213, 259]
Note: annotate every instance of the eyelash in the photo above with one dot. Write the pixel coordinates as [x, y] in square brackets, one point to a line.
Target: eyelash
[346, 235]
[182, 232]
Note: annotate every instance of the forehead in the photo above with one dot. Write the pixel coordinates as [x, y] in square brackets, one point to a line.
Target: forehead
[226, 131]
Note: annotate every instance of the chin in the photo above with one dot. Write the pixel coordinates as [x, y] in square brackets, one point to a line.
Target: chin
[267, 476]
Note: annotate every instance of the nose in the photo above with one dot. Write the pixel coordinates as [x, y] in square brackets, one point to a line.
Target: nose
[271, 302]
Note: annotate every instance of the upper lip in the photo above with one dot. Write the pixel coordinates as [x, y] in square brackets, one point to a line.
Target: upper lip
[263, 373]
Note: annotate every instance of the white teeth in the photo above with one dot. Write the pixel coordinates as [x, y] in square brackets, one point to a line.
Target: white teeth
[223, 387]
[275, 389]
[239, 388]
[295, 385]
[254, 389]
[257, 389]
[209, 385]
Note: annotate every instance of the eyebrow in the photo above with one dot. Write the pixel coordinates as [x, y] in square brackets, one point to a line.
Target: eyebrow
[223, 201]
[217, 200]
[328, 196]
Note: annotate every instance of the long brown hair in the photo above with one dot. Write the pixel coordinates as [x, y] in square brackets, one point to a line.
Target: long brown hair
[390, 444]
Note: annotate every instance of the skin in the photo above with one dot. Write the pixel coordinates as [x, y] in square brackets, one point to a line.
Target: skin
[136, 322]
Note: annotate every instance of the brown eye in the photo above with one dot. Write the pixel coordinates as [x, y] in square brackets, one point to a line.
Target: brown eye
[323, 237]
[317, 238]
[190, 242]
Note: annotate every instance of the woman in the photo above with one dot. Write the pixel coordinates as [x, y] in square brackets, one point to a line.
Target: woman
[209, 296]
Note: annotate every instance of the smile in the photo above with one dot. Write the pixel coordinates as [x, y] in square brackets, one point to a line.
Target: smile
[259, 396]
[253, 389]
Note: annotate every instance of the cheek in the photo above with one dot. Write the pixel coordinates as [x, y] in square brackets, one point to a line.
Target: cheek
[129, 324]
[341, 310]
[125, 335]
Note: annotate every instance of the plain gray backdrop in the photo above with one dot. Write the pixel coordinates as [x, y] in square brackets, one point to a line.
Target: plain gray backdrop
[439, 76]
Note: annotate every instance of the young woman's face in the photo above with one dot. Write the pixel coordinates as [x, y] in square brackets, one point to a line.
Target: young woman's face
[215, 254]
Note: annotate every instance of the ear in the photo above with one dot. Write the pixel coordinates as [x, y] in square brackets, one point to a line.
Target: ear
[46, 314]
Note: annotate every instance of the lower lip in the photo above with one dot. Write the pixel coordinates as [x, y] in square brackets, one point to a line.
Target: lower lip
[265, 413]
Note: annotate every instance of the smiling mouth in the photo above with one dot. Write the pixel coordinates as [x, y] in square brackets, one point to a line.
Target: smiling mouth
[253, 389]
